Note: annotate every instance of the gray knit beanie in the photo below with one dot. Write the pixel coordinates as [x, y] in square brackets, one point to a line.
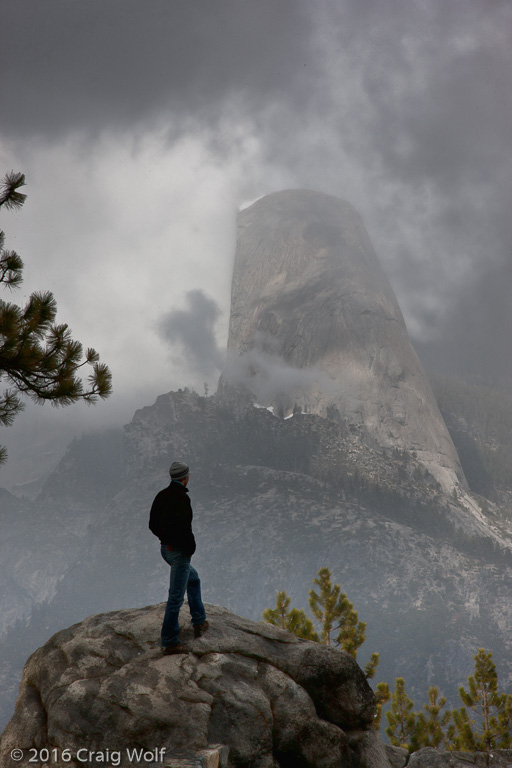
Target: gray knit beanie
[178, 470]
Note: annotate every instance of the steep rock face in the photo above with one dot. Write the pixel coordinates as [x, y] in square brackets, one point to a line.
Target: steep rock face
[315, 324]
[272, 698]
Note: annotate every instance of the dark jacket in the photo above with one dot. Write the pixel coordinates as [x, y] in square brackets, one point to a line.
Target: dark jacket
[171, 518]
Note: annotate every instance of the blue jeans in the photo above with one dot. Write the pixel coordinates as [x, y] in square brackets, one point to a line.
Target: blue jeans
[184, 578]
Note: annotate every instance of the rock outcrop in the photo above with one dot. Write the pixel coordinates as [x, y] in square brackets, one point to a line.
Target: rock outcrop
[433, 758]
[274, 700]
[315, 324]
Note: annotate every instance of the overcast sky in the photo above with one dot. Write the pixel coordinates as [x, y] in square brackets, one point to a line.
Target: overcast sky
[143, 125]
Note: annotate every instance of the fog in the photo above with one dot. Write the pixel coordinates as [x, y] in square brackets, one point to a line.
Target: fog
[143, 127]
[193, 329]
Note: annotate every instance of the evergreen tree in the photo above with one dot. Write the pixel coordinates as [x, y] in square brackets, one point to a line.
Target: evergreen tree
[505, 721]
[278, 615]
[402, 727]
[489, 728]
[294, 620]
[325, 606]
[462, 735]
[371, 666]
[299, 624]
[492, 728]
[351, 633]
[432, 727]
[38, 359]
[331, 608]
[382, 696]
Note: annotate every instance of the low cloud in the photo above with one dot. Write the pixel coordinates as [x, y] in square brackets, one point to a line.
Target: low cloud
[137, 158]
[272, 380]
[192, 329]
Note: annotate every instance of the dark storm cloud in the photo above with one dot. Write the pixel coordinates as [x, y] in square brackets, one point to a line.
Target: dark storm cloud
[436, 115]
[397, 81]
[192, 329]
[94, 65]
[414, 93]
[449, 120]
[434, 83]
[475, 338]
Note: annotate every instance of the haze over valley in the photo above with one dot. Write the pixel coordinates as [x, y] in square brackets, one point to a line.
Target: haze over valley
[285, 227]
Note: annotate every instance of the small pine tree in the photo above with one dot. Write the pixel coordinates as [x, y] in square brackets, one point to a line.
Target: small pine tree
[402, 728]
[382, 696]
[490, 728]
[351, 633]
[371, 666]
[432, 727]
[324, 606]
[505, 721]
[332, 607]
[299, 624]
[461, 734]
[294, 620]
[278, 615]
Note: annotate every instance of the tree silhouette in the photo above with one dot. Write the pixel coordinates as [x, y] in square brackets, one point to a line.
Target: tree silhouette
[38, 358]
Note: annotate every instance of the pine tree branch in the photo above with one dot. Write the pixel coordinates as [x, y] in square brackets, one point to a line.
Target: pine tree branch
[9, 196]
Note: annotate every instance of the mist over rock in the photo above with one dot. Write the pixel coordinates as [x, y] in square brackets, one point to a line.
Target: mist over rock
[429, 567]
[273, 699]
[315, 324]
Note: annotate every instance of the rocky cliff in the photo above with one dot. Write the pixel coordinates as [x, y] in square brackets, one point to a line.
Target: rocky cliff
[103, 687]
[315, 324]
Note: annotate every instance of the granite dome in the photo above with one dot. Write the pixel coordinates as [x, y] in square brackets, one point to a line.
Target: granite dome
[315, 324]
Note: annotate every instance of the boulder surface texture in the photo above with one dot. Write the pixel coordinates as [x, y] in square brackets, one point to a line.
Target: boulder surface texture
[432, 758]
[315, 324]
[275, 700]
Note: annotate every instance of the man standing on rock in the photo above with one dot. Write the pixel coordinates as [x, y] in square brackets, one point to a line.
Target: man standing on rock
[171, 520]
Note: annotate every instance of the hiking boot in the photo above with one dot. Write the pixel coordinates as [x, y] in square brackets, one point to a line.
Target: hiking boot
[200, 629]
[170, 650]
